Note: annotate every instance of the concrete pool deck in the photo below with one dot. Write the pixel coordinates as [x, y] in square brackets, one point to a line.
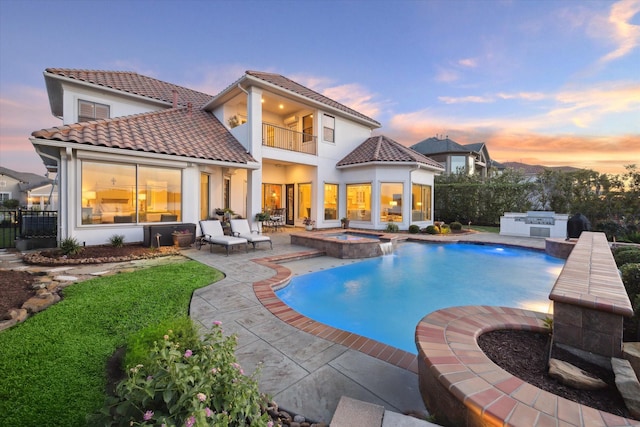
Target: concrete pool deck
[304, 373]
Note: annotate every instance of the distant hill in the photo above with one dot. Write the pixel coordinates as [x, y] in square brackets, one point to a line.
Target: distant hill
[536, 169]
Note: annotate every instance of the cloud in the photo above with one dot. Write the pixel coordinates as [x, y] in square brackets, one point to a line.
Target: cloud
[23, 109]
[466, 99]
[468, 62]
[353, 95]
[447, 75]
[620, 32]
[544, 136]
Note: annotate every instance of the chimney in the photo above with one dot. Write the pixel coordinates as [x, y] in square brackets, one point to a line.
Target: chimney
[175, 98]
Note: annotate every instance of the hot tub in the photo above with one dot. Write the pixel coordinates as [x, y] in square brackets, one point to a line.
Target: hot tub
[346, 245]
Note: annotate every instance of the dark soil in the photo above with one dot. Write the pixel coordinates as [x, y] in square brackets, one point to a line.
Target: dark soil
[15, 289]
[525, 355]
[16, 286]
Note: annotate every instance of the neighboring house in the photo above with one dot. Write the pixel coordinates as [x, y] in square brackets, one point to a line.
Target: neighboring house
[31, 190]
[134, 150]
[457, 158]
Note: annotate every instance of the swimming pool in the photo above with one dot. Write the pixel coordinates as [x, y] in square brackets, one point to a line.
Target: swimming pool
[384, 298]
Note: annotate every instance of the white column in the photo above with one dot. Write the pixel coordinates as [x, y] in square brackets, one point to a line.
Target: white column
[254, 177]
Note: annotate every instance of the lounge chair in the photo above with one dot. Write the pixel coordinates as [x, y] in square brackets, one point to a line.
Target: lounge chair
[213, 234]
[240, 228]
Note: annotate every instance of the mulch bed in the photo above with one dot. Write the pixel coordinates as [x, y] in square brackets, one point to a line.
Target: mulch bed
[524, 354]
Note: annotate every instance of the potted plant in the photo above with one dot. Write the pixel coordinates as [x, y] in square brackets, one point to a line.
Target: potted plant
[260, 218]
[308, 223]
[182, 238]
[345, 222]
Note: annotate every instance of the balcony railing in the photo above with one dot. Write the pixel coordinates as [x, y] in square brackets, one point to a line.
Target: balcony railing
[285, 139]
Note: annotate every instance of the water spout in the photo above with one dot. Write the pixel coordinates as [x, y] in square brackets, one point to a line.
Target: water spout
[386, 248]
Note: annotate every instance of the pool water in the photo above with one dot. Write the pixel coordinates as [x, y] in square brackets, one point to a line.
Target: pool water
[384, 298]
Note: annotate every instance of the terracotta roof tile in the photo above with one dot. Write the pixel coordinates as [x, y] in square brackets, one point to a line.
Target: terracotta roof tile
[135, 83]
[290, 85]
[383, 149]
[181, 132]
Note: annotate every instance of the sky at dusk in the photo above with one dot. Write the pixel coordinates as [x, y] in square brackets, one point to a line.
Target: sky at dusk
[555, 83]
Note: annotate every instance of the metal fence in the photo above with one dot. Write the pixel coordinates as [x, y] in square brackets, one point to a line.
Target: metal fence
[26, 224]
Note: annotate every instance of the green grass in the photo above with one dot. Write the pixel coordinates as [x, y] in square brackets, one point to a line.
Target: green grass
[485, 228]
[52, 367]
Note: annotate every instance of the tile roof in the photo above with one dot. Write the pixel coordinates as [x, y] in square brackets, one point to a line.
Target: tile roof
[290, 85]
[187, 132]
[436, 145]
[383, 149]
[27, 180]
[134, 83]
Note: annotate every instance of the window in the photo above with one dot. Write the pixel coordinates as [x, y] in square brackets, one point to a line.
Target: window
[226, 193]
[359, 202]
[329, 128]
[458, 164]
[4, 196]
[126, 193]
[271, 196]
[420, 202]
[304, 200]
[204, 195]
[330, 201]
[307, 128]
[391, 202]
[88, 111]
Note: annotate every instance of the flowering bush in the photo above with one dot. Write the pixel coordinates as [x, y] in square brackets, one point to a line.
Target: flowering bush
[199, 386]
[308, 221]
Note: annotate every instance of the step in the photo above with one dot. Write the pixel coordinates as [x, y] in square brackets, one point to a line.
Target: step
[355, 413]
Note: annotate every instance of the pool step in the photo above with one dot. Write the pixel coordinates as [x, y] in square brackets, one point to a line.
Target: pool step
[355, 413]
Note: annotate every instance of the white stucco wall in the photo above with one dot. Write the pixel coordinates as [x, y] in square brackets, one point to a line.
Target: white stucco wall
[119, 105]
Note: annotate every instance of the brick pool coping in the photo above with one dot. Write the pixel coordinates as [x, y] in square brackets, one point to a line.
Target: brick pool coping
[265, 292]
[455, 375]
[461, 384]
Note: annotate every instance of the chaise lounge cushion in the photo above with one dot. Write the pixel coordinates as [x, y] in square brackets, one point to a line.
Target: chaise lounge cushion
[212, 233]
[240, 228]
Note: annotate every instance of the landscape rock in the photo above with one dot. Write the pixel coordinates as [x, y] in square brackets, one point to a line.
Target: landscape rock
[40, 302]
[19, 314]
[573, 376]
[631, 352]
[628, 385]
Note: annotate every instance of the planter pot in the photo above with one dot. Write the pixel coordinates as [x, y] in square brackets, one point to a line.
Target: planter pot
[182, 240]
[308, 227]
[345, 224]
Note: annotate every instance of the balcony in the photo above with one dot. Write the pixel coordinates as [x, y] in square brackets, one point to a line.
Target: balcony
[285, 139]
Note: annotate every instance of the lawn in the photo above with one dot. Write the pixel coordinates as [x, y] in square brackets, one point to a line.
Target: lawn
[52, 367]
[486, 229]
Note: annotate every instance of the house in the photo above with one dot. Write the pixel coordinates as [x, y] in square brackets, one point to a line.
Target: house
[31, 190]
[134, 151]
[456, 158]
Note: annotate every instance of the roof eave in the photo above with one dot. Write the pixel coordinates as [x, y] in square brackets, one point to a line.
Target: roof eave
[418, 165]
[40, 142]
[233, 90]
[64, 79]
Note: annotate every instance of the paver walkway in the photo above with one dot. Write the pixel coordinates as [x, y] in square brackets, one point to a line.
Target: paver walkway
[305, 374]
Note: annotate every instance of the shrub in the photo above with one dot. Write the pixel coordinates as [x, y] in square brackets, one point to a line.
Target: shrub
[117, 240]
[456, 226]
[445, 229]
[414, 229]
[70, 246]
[631, 279]
[139, 344]
[11, 203]
[199, 385]
[627, 256]
[431, 229]
[392, 228]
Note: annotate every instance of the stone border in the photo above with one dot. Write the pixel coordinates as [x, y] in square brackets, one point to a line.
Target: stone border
[459, 383]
